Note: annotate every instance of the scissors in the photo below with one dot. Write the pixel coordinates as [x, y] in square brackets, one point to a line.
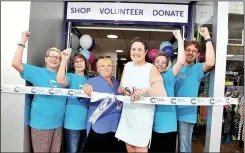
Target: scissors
[129, 92]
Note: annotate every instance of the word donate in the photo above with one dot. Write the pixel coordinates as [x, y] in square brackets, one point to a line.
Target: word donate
[168, 13]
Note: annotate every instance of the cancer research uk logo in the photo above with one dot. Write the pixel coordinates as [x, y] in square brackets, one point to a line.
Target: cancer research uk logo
[16, 89]
[153, 100]
[51, 91]
[71, 92]
[33, 90]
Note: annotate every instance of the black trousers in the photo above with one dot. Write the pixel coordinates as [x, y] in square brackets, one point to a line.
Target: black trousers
[163, 142]
[103, 143]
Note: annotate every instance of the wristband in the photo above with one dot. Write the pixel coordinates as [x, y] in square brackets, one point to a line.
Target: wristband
[207, 40]
[22, 45]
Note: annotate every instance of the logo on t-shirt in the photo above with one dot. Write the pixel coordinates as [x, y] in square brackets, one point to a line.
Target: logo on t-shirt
[53, 83]
[80, 86]
[182, 76]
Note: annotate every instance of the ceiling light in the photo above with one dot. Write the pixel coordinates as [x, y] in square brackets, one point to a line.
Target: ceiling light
[229, 55]
[123, 59]
[112, 36]
[119, 51]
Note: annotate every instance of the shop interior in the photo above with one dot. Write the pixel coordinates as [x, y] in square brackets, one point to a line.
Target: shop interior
[115, 42]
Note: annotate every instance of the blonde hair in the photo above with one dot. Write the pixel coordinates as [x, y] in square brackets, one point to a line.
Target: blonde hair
[103, 61]
[52, 49]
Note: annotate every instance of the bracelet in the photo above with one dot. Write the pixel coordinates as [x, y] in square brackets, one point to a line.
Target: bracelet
[22, 45]
[207, 40]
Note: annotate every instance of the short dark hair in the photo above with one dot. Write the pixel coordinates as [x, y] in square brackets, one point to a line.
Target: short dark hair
[160, 53]
[138, 39]
[76, 56]
[193, 42]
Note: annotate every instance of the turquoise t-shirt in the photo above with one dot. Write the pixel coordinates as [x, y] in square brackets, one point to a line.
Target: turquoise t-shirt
[76, 111]
[47, 112]
[165, 119]
[187, 85]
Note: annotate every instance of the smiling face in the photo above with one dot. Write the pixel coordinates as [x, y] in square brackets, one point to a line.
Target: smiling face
[53, 58]
[79, 63]
[138, 50]
[191, 52]
[105, 67]
[161, 63]
[160, 60]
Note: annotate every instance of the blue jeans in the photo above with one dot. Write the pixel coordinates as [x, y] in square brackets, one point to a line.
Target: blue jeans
[74, 140]
[185, 136]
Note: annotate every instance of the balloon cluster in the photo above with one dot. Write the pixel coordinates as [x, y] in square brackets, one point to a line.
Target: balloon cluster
[87, 44]
[165, 47]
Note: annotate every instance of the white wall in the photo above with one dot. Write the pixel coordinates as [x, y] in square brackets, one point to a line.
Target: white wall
[45, 22]
[14, 20]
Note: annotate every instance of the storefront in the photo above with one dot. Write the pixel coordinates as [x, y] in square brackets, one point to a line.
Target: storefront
[129, 20]
[153, 22]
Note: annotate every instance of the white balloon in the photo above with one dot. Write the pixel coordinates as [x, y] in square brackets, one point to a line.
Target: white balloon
[169, 65]
[86, 41]
[75, 42]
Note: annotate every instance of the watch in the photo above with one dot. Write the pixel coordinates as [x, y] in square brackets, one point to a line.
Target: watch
[207, 40]
[22, 45]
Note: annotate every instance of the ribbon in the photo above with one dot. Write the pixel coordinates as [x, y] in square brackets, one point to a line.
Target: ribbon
[200, 101]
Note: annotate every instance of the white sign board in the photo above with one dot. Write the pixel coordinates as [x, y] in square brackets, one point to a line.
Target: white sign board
[127, 12]
[204, 14]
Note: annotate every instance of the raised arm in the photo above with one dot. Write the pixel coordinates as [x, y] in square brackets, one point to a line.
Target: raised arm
[210, 55]
[17, 60]
[181, 53]
[61, 78]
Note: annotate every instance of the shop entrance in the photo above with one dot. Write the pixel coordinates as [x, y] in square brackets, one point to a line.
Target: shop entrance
[115, 41]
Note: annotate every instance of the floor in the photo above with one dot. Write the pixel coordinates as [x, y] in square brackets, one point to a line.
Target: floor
[199, 143]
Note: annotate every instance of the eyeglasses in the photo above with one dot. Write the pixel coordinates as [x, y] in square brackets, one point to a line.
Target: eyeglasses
[54, 57]
[163, 63]
[193, 51]
[102, 57]
[76, 62]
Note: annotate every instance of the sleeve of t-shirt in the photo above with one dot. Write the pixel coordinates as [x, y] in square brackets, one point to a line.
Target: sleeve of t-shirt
[199, 71]
[169, 77]
[30, 73]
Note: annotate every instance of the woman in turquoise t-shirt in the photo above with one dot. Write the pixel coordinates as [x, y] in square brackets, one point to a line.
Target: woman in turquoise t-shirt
[165, 120]
[47, 112]
[76, 111]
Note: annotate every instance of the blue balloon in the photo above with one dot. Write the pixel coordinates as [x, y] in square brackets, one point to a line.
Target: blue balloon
[85, 53]
[169, 50]
[164, 44]
[92, 46]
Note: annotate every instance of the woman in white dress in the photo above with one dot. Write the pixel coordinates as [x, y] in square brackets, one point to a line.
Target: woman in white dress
[142, 79]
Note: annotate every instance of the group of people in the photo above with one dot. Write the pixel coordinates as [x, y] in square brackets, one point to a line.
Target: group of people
[142, 127]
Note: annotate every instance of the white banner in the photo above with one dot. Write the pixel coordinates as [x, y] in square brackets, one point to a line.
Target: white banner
[128, 12]
[208, 101]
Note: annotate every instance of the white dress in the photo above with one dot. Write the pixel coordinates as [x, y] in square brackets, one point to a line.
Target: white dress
[135, 125]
